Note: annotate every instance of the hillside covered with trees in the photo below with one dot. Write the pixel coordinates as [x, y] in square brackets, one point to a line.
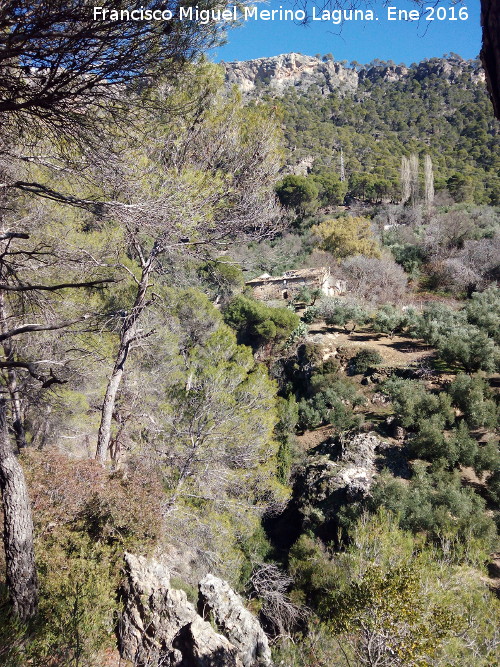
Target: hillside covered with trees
[192, 475]
[438, 107]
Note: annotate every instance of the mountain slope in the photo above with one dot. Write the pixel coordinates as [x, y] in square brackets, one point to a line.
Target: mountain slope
[381, 112]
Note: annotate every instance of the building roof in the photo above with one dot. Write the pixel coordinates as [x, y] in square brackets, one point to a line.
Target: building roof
[288, 275]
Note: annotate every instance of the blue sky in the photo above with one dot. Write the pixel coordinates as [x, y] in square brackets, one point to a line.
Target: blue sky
[400, 41]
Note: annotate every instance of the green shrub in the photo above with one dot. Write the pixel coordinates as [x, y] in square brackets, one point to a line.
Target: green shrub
[297, 192]
[85, 519]
[328, 407]
[366, 359]
[341, 312]
[257, 323]
[413, 404]
[483, 310]
[436, 503]
[78, 605]
[417, 600]
[288, 416]
[493, 486]
[463, 338]
[473, 397]
[310, 314]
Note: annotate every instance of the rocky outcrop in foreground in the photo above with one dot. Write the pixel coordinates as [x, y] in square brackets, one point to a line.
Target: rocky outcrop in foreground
[159, 626]
[237, 623]
[344, 470]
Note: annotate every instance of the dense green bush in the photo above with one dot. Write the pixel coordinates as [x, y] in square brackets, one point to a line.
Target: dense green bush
[288, 417]
[222, 276]
[493, 487]
[399, 588]
[310, 315]
[414, 405]
[390, 320]
[365, 359]
[483, 310]
[436, 503]
[472, 395]
[333, 404]
[257, 323]
[85, 519]
[410, 257]
[462, 337]
[450, 449]
[341, 312]
[332, 190]
[298, 192]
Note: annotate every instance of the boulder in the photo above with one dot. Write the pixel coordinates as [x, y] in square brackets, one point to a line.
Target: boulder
[343, 472]
[235, 621]
[159, 626]
[379, 398]
[200, 646]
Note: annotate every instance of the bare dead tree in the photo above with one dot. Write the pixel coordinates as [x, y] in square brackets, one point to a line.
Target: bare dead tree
[405, 180]
[414, 180]
[428, 183]
[375, 280]
[271, 584]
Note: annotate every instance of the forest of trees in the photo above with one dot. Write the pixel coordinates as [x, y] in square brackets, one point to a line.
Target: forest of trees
[446, 116]
[150, 404]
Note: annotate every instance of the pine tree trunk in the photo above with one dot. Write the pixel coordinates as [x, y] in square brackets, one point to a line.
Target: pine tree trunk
[127, 336]
[490, 52]
[22, 580]
[104, 436]
[15, 399]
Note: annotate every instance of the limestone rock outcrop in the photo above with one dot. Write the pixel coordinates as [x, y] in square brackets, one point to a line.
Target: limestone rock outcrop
[353, 469]
[159, 626]
[289, 70]
[235, 621]
[278, 74]
[342, 470]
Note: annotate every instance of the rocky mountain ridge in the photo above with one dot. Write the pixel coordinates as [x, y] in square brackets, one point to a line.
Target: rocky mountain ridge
[278, 74]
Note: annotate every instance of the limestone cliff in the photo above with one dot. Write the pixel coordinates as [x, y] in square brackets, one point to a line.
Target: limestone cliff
[280, 73]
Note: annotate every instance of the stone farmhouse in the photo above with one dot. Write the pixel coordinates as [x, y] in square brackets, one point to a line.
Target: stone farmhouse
[266, 287]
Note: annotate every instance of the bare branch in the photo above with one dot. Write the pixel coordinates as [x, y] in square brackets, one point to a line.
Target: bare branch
[6, 236]
[27, 328]
[53, 288]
